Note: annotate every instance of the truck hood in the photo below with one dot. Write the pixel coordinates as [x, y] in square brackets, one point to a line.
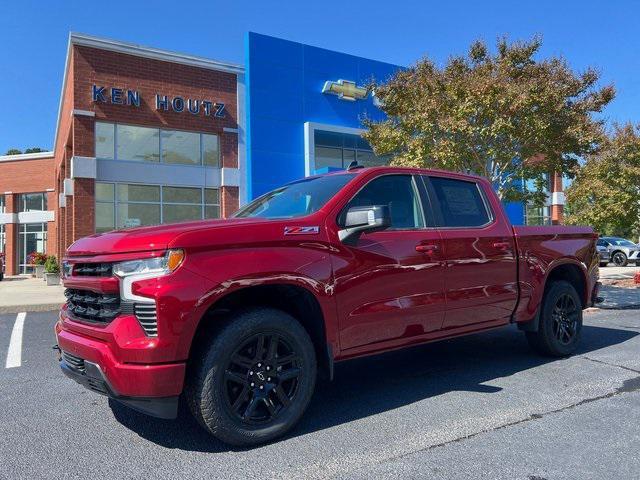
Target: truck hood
[142, 239]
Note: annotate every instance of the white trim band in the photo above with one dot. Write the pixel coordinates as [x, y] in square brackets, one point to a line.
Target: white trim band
[83, 167]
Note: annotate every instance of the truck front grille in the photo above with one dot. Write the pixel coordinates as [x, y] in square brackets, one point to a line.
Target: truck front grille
[95, 307]
[93, 270]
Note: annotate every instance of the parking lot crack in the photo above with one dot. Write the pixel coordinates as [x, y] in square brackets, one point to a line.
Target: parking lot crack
[602, 362]
[628, 386]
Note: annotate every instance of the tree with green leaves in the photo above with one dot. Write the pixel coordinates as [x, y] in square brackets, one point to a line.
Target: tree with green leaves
[34, 150]
[506, 116]
[13, 151]
[606, 190]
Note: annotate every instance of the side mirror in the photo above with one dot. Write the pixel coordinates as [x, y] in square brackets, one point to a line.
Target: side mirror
[364, 219]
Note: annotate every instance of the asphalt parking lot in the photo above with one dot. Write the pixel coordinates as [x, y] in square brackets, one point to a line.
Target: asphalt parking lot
[482, 406]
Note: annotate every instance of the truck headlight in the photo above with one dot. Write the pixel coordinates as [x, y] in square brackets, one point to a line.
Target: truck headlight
[149, 266]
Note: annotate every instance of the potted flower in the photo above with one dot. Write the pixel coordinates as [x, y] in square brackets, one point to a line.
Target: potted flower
[37, 259]
[52, 271]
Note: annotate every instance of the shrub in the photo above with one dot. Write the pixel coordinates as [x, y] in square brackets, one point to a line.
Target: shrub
[51, 265]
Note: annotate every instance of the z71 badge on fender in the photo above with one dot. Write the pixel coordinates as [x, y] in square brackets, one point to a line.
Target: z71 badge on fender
[301, 230]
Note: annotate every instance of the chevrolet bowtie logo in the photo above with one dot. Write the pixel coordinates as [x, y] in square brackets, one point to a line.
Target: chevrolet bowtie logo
[345, 90]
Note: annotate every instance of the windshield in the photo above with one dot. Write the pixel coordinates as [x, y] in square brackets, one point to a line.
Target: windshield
[621, 242]
[296, 199]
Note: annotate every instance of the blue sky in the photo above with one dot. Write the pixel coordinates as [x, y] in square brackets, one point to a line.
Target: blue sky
[33, 39]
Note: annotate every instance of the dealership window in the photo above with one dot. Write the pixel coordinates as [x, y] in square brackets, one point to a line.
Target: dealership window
[32, 202]
[132, 205]
[338, 150]
[2, 207]
[32, 237]
[537, 214]
[146, 144]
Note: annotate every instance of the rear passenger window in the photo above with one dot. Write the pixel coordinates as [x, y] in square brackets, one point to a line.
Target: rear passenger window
[461, 203]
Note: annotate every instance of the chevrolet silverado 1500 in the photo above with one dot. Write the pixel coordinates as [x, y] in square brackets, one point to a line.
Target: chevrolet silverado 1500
[236, 317]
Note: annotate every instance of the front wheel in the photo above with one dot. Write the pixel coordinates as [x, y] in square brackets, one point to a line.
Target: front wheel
[619, 259]
[560, 321]
[254, 378]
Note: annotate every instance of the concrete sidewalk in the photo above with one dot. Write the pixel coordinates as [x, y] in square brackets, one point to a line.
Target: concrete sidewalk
[26, 294]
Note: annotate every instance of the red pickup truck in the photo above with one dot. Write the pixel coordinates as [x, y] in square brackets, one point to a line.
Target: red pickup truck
[236, 317]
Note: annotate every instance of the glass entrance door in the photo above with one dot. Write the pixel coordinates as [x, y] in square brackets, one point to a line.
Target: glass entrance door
[32, 237]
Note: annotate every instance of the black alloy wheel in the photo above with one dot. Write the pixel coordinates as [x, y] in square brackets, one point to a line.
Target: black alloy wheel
[261, 378]
[251, 376]
[560, 321]
[619, 259]
[565, 317]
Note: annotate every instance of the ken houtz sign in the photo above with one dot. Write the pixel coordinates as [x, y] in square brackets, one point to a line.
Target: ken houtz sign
[120, 96]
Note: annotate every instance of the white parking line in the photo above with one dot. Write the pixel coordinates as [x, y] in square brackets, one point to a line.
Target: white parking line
[14, 355]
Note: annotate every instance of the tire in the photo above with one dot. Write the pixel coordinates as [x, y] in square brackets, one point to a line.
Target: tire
[224, 395]
[604, 264]
[619, 259]
[638, 264]
[550, 339]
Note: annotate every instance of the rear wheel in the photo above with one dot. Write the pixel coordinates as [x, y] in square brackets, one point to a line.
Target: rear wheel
[560, 321]
[255, 379]
[619, 259]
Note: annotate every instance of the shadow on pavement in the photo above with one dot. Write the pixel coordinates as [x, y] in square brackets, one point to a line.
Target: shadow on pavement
[619, 298]
[372, 385]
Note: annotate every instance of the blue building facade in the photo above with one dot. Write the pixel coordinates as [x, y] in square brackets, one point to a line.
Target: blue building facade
[304, 108]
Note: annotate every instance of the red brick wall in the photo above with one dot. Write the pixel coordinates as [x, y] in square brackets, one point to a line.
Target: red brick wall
[229, 201]
[27, 176]
[150, 77]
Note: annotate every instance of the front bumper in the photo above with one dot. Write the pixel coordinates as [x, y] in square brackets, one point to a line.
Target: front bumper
[90, 376]
[150, 388]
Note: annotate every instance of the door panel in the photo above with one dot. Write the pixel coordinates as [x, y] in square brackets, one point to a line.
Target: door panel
[387, 290]
[390, 284]
[479, 251]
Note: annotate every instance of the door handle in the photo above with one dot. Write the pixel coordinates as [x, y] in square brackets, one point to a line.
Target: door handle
[430, 249]
[502, 245]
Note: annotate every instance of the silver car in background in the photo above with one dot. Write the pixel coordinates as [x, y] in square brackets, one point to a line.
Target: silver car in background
[621, 251]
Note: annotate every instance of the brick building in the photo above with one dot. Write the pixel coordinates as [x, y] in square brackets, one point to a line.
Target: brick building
[146, 136]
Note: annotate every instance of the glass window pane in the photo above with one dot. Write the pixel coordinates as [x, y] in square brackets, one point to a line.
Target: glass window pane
[137, 214]
[33, 202]
[180, 147]
[181, 195]
[179, 213]
[211, 196]
[348, 157]
[328, 157]
[140, 144]
[211, 211]
[104, 192]
[138, 193]
[350, 141]
[460, 202]
[105, 135]
[211, 150]
[104, 217]
[2, 207]
[368, 159]
[327, 139]
[396, 191]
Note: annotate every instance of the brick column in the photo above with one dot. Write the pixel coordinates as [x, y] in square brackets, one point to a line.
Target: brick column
[11, 236]
[229, 201]
[557, 199]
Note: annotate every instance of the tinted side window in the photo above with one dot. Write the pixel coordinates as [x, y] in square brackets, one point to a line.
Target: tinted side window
[460, 202]
[398, 192]
[602, 243]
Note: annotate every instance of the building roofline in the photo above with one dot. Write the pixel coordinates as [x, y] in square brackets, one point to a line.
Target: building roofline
[25, 156]
[154, 53]
[139, 51]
